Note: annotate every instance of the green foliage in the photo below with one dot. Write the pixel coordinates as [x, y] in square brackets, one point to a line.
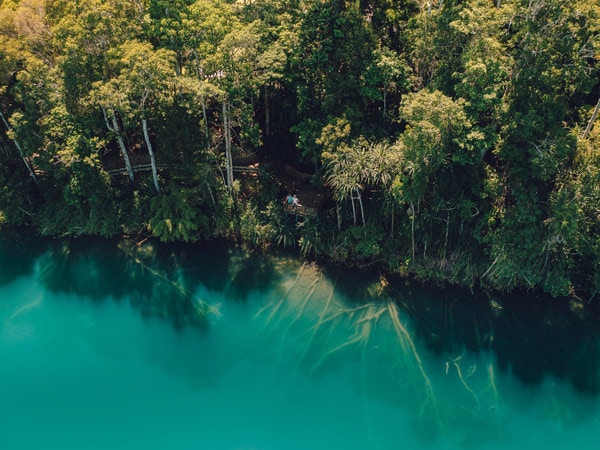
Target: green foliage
[335, 47]
[17, 193]
[359, 167]
[334, 137]
[175, 216]
[269, 226]
[310, 241]
[437, 135]
[308, 132]
[387, 76]
[449, 133]
[254, 229]
[361, 244]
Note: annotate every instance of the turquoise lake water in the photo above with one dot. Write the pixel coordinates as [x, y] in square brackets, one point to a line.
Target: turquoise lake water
[110, 345]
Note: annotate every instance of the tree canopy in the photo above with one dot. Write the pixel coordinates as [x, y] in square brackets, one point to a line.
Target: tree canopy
[455, 140]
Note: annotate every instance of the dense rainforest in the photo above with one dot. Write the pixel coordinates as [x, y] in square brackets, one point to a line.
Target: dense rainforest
[454, 140]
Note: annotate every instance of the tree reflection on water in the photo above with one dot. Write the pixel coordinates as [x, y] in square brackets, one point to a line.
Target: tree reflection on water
[441, 351]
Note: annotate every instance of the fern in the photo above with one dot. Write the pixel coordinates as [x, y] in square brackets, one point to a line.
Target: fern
[174, 218]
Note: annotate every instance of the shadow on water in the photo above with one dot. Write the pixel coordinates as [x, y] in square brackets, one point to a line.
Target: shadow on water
[117, 269]
[455, 351]
[531, 337]
[19, 250]
[216, 266]
[159, 280]
[441, 350]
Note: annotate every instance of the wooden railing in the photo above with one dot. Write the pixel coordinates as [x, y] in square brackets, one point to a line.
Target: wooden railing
[143, 167]
[299, 210]
[136, 168]
[249, 169]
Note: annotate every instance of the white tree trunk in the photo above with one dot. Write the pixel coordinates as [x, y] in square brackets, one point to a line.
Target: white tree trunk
[227, 136]
[210, 192]
[20, 149]
[115, 129]
[355, 196]
[353, 208]
[151, 153]
[412, 229]
[360, 203]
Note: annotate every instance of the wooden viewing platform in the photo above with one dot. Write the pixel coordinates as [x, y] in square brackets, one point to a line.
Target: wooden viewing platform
[312, 199]
[300, 210]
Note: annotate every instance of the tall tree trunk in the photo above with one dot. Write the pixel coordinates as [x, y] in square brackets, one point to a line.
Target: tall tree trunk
[592, 119]
[205, 118]
[446, 234]
[227, 136]
[20, 149]
[355, 196]
[199, 72]
[385, 94]
[392, 227]
[412, 229]
[360, 203]
[212, 197]
[151, 153]
[267, 114]
[116, 129]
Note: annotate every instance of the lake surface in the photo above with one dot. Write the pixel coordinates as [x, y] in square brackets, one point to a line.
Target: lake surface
[109, 344]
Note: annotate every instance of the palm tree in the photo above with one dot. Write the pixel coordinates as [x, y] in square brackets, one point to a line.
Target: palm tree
[344, 181]
[364, 164]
